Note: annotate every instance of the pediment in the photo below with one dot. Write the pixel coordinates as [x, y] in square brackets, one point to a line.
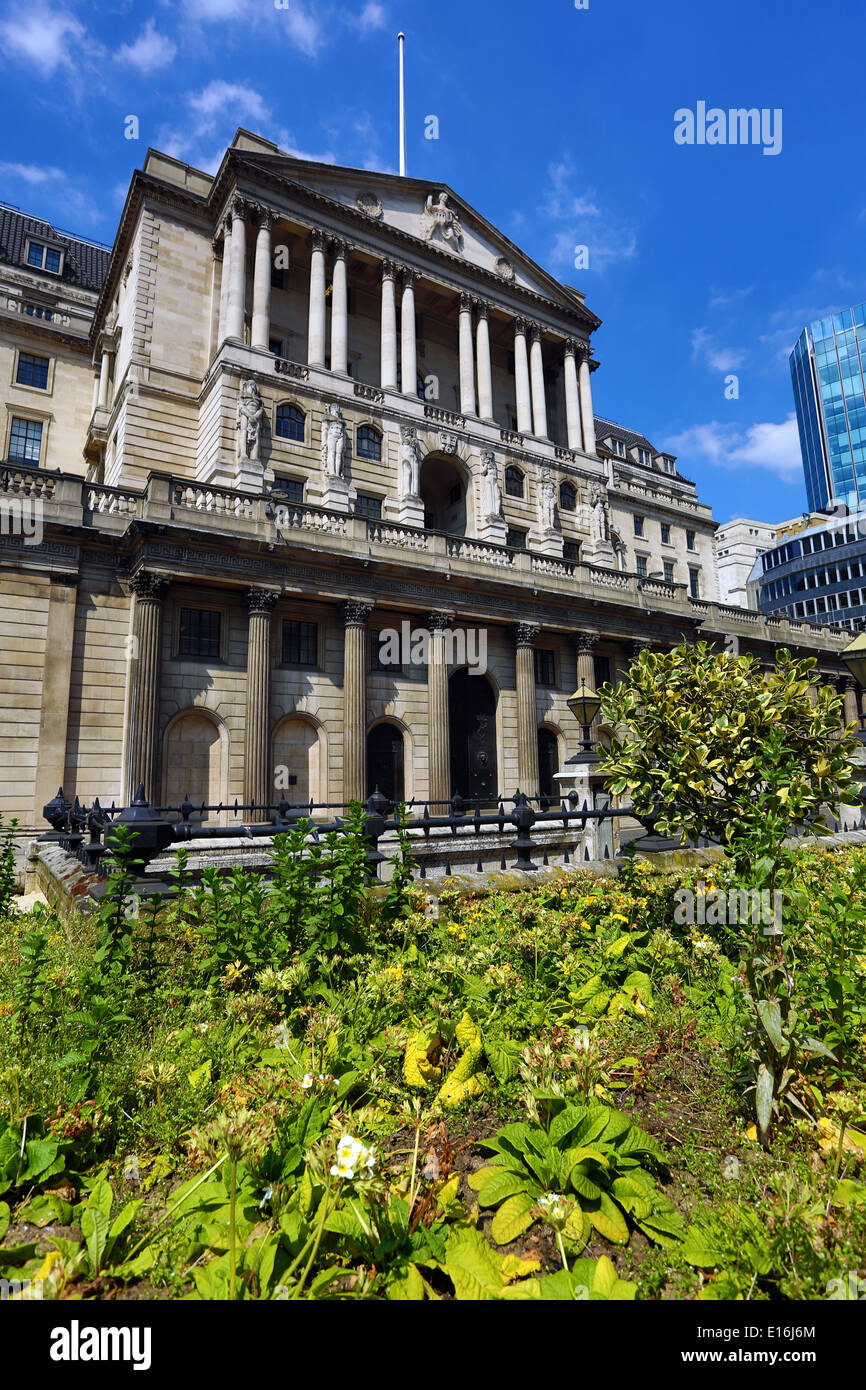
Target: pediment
[431, 213]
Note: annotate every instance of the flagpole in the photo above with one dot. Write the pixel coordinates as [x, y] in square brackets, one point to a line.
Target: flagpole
[401, 38]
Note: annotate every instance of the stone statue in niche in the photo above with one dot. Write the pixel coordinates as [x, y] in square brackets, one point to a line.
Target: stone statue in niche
[438, 217]
[333, 442]
[600, 522]
[248, 423]
[491, 493]
[410, 463]
[546, 501]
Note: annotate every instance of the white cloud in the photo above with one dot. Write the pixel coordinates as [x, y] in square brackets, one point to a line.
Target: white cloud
[293, 20]
[773, 448]
[719, 359]
[150, 51]
[587, 223]
[32, 174]
[44, 38]
[721, 299]
[371, 17]
[221, 98]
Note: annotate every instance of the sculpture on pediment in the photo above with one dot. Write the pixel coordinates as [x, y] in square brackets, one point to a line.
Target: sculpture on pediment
[410, 462]
[491, 492]
[248, 421]
[600, 519]
[369, 204]
[438, 217]
[504, 269]
[546, 500]
[333, 442]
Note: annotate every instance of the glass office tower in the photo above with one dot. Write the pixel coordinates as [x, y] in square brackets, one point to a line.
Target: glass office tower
[827, 370]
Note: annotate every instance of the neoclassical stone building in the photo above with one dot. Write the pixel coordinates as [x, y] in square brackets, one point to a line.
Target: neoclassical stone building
[314, 404]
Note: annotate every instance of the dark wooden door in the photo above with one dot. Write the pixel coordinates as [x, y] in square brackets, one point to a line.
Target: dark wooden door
[548, 762]
[385, 762]
[472, 719]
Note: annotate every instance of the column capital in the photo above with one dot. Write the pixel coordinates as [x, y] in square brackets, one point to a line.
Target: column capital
[144, 584]
[583, 351]
[388, 270]
[466, 302]
[520, 325]
[526, 634]
[356, 612]
[262, 600]
[636, 646]
[536, 332]
[847, 682]
[239, 207]
[409, 277]
[570, 347]
[482, 309]
[263, 216]
[318, 239]
[340, 248]
[587, 643]
[440, 621]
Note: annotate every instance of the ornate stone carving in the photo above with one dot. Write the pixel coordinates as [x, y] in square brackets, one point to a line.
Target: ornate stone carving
[582, 350]
[448, 442]
[356, 612]
[370, 205]
[570, 347]
[410, 462]
[491, 493]
[586, 643]
[526, 634]
[599, 514]
[438, 218]
[408, 276]
[536, 332]
[239, 206]
[339, 248]
[520, 325]
[504, 269]
[333, 441]
[482, 309]
[439, 621]
[264, 217]
[262, 600]
[546, 501]
[318, 239]
[147, 585]
[388, 270]
[248, 421]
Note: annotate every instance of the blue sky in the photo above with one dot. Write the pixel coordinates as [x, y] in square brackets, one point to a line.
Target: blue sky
[557, 124]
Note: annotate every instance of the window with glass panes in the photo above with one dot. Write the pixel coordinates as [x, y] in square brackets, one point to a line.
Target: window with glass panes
[25, 440]
[32, 370]
[368, 506]
[288, 490]
[545, 666]
[669, 571]
[695, 583]
[369, 443]
[300, 643]
[567, 497]
[640, 561]
[513, 482]
[290, 423]
[199, 633]
[515, 539]
[571, 551]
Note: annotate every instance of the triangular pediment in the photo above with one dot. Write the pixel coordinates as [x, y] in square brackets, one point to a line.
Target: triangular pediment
[430, 213]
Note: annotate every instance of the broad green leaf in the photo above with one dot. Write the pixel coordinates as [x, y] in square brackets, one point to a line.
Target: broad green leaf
[95, 1227]
[771, 1017]
[609, 1221]
[473, 1268]
[849, 1193]
[499, 1185]
[764, 1098]
[701, 1248]
[513, 1218]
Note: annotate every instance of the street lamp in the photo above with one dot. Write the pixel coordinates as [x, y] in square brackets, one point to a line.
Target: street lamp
[585, 704]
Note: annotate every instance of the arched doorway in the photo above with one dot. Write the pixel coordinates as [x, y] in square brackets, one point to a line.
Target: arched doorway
[194, 760]
[297, 762]
[548, 762]
[472, 730]
[443, 492]
[385, 762]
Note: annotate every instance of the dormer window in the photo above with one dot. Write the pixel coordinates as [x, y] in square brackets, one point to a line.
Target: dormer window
[643, 456]
[42, 257]
[618, 448]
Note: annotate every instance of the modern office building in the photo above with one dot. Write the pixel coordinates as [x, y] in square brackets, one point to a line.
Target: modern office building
[818, 575]
[827, 370]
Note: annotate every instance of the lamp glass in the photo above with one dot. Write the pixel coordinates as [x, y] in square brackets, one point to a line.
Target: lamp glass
[584, 704]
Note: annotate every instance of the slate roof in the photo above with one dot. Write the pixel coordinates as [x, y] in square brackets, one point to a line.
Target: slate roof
[84, 263]
[605, 428]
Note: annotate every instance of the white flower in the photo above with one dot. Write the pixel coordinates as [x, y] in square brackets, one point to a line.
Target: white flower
[202, 1027]
[307, 1081]
[702, 943]
[352, 1155]
[553, 1205]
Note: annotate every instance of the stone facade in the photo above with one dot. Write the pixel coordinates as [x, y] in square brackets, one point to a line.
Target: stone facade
[315, 404]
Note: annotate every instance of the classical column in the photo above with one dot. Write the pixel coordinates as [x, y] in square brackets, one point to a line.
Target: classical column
[388, 327]
[143, 705]
[223, 330]
[539, 405]
[340, 310]
[261, 329]
[408, 345]
[104, 376]
[355, 615]
[467, 362]
[438, 731]
[521, 378]
[586, 415]
[238, 271]
[850, 705]
[258, 785]
[56, 681]
[316, 334]
[527, 727]
[572, 397]
[95, 398]
[482, 349]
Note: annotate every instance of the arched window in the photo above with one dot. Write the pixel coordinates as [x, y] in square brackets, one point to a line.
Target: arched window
[369, 444]
[290, 423]
[385, 762]
[513, 482]
[548, 762]
[567, 497]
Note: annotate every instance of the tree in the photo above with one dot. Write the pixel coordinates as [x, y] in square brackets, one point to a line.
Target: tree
[707, 744]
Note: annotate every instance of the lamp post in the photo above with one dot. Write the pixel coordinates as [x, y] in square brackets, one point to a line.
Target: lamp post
[584, 704]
